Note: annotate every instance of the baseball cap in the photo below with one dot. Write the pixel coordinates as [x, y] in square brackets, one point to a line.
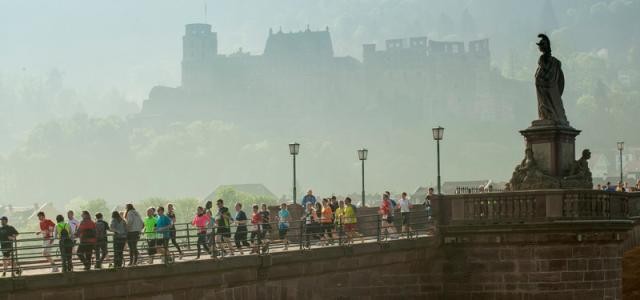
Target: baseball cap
[4, 218]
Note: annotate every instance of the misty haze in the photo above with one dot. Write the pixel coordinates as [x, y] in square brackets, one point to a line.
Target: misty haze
[499, 130]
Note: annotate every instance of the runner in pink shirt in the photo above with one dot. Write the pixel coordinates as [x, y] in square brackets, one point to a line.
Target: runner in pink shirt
[201, 220]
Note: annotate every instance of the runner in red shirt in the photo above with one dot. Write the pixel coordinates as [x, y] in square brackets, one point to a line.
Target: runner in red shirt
[387, 217]
[256, 224]
[46, 230]
[87, 234]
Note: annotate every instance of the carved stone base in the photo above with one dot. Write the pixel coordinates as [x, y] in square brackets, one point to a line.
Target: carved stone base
[553, 147]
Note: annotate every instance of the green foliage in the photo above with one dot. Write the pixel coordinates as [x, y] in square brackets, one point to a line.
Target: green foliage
[231, 196]
[93, 206]
[185, 208]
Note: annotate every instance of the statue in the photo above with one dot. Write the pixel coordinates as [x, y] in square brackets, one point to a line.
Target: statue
[579, 175]
[528, 176]
[549, 85]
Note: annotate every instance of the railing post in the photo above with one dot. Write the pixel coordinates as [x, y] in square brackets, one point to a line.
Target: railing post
[214, 251]
[379, 229]
[302, 225]
[188, 237]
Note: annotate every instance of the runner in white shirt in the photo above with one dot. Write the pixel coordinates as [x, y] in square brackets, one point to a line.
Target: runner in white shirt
[405, 212]
[73, 223]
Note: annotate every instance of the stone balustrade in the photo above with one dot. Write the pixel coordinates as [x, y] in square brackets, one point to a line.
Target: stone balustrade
[534, 207]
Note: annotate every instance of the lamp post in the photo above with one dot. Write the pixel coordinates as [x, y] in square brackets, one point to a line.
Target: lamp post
[620, 148]
[362, 155]
[294, 149]
[437, 135]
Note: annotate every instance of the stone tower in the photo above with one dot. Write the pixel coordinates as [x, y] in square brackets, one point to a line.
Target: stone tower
[199, 49]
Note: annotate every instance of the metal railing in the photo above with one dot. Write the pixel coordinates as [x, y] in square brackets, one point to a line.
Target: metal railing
[217, 242]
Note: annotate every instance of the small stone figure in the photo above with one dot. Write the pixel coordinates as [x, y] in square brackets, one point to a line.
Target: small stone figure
[549, 85]
[528, 176]
[579, 175]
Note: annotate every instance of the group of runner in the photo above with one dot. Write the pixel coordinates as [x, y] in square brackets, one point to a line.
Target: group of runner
[326, 221]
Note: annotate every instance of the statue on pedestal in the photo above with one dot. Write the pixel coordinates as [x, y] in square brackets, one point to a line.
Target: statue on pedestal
[549, 86]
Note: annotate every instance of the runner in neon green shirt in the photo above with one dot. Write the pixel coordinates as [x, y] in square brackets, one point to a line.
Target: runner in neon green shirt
[150, 233]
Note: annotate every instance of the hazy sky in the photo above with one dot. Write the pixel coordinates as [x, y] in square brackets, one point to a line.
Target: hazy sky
[134, 45]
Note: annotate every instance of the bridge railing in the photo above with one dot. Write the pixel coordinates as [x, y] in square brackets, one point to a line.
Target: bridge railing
[26, 257]
[533, 207]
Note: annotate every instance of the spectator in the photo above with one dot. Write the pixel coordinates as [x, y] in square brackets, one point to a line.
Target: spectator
[201, 220]
[223, 223]
[119, 229]
[46, 230]
[150, 233]
[163, 229]
[309, 198]
[386, 216]
[101, 239]
[171, 214]
[87, 235]
[8, 236]
[134, 226]
[405, 212]
[240, 236]
[283, 225]
[63, 233]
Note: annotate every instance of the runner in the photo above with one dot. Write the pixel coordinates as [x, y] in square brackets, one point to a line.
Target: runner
[102, 241]
[326, 222]
[73, 223]
[386, 216]
[351, 221]
[405, 213]
[119, 229]
[201, 220]
[8, 236]
[223, 222]
[63, 233]
[339, 220]
[46, 230]
[283, 225]
[171, 214]
[150, 233]
[87, 235]
[256, 224]
[266, 227]
[134, 226]
[163, 228]
[240, 236]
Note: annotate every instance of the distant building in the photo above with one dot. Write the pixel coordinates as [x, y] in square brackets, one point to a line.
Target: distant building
[298, 73]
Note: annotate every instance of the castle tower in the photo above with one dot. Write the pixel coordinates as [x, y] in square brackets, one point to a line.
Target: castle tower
[199, 49]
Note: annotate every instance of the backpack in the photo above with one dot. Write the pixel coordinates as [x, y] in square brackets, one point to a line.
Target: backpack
[101, 229]
[65, 236]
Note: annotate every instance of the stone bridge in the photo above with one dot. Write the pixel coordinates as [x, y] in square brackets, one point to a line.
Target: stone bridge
[554, 244]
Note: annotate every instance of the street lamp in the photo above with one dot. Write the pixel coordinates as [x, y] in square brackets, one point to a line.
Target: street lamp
[437, 135]
[620, 148]
[294, 149]
[362, 155]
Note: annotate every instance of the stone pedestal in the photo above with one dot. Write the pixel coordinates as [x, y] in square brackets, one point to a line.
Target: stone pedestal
[553, 147]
